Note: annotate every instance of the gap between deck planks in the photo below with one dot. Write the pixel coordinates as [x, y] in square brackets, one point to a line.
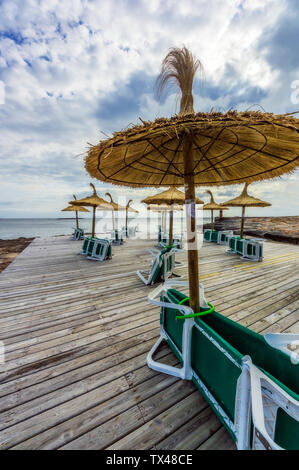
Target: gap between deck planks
[77, 333]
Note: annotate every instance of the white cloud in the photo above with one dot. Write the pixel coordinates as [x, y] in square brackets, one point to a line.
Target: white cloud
[61, 61]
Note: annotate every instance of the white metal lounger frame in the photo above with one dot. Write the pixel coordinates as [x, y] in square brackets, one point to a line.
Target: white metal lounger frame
[154, 298]
[257, 396]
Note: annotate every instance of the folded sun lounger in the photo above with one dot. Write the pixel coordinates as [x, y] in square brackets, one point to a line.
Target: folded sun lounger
[97, 248]
[78, 234]
[250, 381]
[161, 269]
[249, 248]
[102, 250]
[117, 237]
[217, 236]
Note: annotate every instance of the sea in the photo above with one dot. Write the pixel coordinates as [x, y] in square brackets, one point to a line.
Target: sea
[29, 228]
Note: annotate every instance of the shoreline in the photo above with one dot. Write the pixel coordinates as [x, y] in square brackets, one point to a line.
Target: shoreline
[9, 249]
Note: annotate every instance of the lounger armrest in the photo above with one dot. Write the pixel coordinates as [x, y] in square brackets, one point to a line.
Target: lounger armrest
[263, 387]
[153, 252]
[154, 297]
[281, 341]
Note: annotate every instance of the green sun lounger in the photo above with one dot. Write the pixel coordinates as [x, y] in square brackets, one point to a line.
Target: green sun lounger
[254, 250]
[232, 244]
[210, 235]
[129, 232]
[250, 381]
[216, 236]
[161, 269]
[249, 248]
[177, 243]
[117, 238]
[85, 246]
[78, 234]
[101, 251]
[222, 236]
[97, 248]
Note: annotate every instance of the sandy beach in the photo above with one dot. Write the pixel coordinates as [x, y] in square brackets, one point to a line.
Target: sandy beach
[9, 249]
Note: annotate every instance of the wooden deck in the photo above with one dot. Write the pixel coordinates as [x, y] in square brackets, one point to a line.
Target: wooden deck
[77, 332]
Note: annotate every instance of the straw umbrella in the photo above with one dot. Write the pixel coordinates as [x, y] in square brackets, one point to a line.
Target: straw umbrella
[115, 207]
[169, 197]
[93, 201]
[212, 206]
[129, 209]
[244, 200]
[208, 149]
[76, 209]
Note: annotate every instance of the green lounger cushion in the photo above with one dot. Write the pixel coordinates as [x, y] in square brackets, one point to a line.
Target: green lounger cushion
[214, 236]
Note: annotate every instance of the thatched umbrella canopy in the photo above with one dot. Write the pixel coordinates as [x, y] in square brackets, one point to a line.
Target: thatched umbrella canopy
[93, 201]
[196, 149]
[76, 209]
[244, 200]
[169, 197]
[129, 209]
[212, 206]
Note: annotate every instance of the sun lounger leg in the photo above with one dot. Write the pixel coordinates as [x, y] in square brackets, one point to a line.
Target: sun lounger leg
[140, 275]
[243, 408]
[185, 372]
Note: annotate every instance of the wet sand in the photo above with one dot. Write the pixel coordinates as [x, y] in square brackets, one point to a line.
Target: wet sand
[9, 249]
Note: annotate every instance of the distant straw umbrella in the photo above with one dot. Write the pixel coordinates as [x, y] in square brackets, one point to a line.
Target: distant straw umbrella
[129, 209]
[170, 197]
[207, 149]
[76, 209]
[213, 206]
[244, 200]
[115, 207]
[93, 201]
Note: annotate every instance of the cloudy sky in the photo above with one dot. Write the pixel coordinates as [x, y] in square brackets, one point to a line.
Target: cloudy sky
[74, 71]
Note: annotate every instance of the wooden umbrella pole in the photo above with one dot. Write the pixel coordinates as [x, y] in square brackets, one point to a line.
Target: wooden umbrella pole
[127, 222]
[242, 221]
[147, 223]
[113, 224]
[93, 221]
[171, 226]
[212, 219]
[191, 225]
[77, 224]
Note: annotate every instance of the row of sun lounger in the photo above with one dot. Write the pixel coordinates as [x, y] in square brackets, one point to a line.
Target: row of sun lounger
[249, 248]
